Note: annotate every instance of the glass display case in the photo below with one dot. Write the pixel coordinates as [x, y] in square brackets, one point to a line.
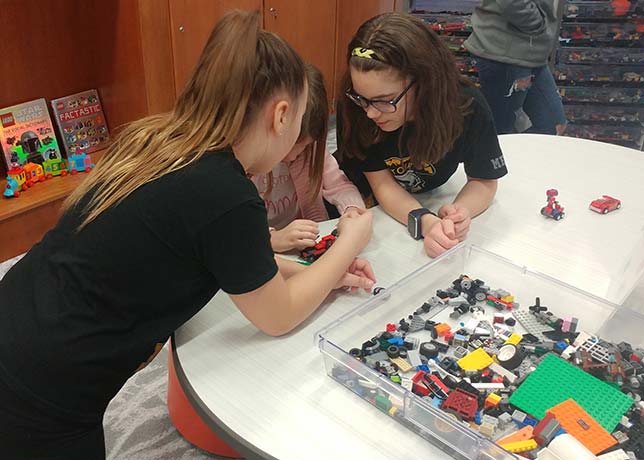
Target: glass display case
[450, 19]
[600, 70]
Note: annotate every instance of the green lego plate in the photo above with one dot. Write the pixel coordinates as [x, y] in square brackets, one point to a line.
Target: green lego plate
[555, 380]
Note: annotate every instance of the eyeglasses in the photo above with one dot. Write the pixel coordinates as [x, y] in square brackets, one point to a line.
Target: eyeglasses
[380, 106]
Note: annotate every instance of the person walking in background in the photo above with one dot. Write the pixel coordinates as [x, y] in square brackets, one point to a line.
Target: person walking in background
[512, 40]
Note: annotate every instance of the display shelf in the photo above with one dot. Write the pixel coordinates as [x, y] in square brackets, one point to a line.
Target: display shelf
[599, 75]
[599, 34]
[451, 20]
[590, 55]
[590, 114]
[625, 135]
[602, 96]
[602, 10]
[600, 70]
[43, 193]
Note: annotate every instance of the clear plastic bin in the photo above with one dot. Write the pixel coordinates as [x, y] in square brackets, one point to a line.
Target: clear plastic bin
[600, 10]
[628, 136]
[575, 55]
[624, 96]
[420, 7]
[595, 315]
[601, 33]
[589, 10]
[603, 113]
[447, 23]
[455, 43]
[631, 75]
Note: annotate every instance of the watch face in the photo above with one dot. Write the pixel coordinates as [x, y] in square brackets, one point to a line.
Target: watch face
[411, 225]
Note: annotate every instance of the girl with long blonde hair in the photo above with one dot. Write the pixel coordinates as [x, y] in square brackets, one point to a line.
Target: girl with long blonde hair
[167, 219]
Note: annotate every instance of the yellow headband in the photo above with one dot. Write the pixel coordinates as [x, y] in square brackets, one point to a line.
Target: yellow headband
[366, 53]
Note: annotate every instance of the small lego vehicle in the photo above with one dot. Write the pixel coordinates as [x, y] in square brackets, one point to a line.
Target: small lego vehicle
[553, 209]
[605, 204]
[34, 173]
[80, 162]
[12, 190]
[315, 252]
[19, 174]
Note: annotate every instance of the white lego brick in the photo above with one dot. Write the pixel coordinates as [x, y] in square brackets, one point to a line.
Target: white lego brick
[502, 371]
[614, 455]
[414, 357]
[488, 386]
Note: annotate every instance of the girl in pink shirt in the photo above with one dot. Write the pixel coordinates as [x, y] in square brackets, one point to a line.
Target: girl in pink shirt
[295, 189]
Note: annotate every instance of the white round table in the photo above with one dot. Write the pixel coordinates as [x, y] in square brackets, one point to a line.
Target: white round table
[271, 398]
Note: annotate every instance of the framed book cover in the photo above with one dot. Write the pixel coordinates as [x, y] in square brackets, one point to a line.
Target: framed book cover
[27, 134]
[81, 121]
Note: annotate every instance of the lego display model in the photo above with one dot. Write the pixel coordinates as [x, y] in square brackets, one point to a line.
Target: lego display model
[605, 204]
[553, 209]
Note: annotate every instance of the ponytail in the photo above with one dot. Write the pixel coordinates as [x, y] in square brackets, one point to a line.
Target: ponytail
[240, 69]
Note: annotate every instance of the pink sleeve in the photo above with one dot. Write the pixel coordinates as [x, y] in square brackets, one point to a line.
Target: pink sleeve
[337, 189]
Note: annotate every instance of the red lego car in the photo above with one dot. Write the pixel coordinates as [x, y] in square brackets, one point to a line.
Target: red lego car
[605, 204]
[315, 252]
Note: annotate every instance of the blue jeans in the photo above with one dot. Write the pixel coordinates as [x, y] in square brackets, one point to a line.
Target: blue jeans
[522, 99]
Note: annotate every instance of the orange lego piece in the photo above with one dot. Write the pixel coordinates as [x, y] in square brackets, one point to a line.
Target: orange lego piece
[578, 423]
[442, 329]
[523, 434]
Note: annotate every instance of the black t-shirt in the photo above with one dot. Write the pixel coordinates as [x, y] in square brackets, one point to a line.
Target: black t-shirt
[477, 147]
[82, 311]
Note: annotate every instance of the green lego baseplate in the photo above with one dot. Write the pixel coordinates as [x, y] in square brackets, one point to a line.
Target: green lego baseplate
[555, 381]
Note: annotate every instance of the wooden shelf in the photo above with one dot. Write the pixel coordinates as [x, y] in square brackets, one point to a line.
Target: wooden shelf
[41, 194]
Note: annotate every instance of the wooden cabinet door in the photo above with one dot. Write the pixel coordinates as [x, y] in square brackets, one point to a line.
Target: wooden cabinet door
[351, 15]
[191, 22]
[309, 27]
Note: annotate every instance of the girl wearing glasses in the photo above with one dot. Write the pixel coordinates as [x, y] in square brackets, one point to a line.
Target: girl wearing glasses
[295, 188]
[408, 120]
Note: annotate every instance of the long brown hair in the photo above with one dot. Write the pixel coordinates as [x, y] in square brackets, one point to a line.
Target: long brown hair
[315, 125]
[240, 69]
[405, 44]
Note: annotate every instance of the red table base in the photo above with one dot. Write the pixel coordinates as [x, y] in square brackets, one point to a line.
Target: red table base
[188, 422]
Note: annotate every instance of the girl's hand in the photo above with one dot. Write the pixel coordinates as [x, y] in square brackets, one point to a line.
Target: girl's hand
[353, 211]
[359, 275]
[356, 228]
[299, 234]
[461, 217]
[440, 237]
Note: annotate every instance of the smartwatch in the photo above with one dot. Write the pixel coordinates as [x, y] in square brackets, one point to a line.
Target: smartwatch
[414, 222]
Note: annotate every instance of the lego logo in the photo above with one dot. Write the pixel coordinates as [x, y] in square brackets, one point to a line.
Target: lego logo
[60, 106]
[7, 120]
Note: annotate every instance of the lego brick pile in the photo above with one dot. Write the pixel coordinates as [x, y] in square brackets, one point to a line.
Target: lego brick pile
[553, 392]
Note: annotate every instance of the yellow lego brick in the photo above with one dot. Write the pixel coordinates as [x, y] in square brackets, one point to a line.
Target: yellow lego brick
[475, 361]
[507, 298]
[514, 339]
[493, 400]
[520, 446]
